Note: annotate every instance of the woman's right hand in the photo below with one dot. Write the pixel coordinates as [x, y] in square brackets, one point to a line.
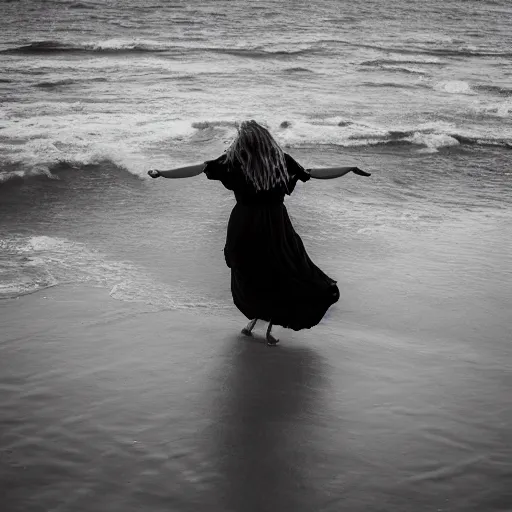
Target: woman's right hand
[360, 172]
[154, 173]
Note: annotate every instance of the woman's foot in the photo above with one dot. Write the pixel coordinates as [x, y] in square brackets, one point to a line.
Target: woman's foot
[271, 341]
[247, 330]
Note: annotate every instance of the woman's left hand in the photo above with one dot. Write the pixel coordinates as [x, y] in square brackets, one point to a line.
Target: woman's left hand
[359, 172]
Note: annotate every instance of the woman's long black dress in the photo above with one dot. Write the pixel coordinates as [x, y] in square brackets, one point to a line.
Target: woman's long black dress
[272, 276]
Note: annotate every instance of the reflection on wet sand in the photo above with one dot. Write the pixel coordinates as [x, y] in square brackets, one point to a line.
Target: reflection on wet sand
[262, 422]
[105, 408]
[370, 424]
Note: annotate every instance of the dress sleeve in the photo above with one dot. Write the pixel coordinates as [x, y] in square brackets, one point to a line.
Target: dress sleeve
[295, 170]
[216, 169]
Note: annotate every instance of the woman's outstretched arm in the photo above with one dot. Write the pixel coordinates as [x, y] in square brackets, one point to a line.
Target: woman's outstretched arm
[179, 172]
[327, 173]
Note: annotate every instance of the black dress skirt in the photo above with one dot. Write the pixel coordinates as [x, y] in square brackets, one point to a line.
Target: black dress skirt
[272, 276]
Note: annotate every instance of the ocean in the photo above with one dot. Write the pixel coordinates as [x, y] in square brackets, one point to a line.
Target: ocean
[95, 93]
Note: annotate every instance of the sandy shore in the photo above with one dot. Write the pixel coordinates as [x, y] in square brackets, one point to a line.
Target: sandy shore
[110, 406]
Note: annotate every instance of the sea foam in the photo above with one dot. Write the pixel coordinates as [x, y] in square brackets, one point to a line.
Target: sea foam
[30, 264]
[454, 87]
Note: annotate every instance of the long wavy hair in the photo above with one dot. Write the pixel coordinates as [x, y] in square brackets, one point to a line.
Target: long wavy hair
[259, 155]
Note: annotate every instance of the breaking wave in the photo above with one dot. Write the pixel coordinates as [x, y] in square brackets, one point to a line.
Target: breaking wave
[121, 46]
[67, 81]
[424, 50]
[262, 53]
[397, 68]
[395, 85]
[108, 46]
[495, 89]
[47, 157]
[429, 137]
[297, 70]
[403, 61]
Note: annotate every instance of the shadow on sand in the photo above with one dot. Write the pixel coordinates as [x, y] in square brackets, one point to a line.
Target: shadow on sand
[268, 395]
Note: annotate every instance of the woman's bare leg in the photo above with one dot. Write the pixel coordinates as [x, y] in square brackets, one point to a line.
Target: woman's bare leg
[270, 339]
[247, 330]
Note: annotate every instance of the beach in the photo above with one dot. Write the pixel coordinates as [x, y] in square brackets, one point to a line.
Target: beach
[125, 383]
[111, 406]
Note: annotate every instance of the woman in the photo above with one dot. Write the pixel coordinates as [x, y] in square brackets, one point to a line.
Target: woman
[272, 276]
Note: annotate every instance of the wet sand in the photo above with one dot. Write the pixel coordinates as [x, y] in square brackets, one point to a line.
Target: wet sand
[111, 406]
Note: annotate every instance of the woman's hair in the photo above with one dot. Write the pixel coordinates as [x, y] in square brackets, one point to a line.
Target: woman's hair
[261, 158]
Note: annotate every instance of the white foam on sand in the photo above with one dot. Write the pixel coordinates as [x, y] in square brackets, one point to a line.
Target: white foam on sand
[34, 263]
